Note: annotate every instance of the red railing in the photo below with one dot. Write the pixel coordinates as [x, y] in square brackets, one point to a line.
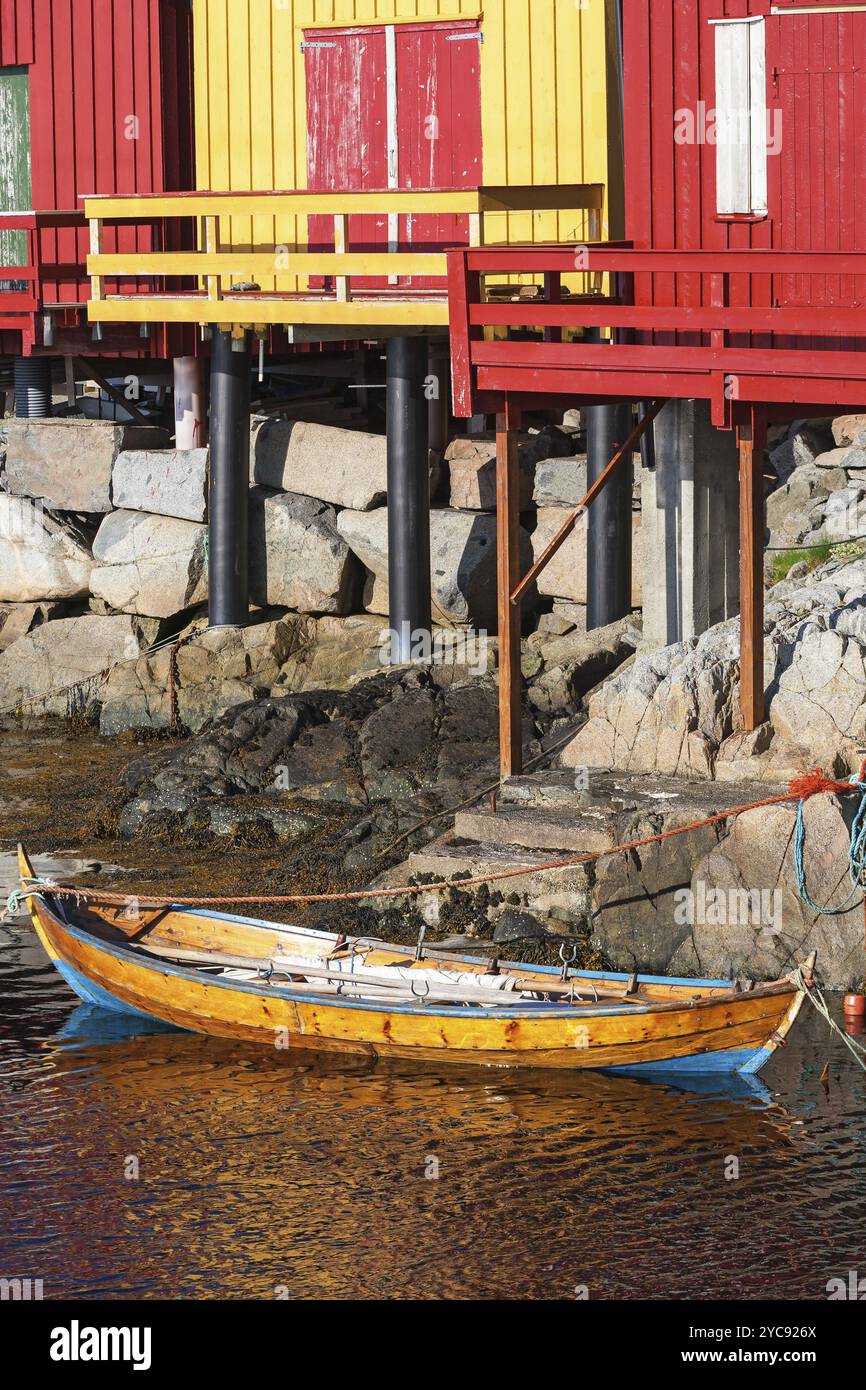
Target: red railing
[702, 324]
[51, 282]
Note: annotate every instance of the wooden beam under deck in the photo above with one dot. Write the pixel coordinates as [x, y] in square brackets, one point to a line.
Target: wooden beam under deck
[508, 568]
[752, 441]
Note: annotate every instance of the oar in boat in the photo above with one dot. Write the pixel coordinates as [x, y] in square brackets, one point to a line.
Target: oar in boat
[395, 986]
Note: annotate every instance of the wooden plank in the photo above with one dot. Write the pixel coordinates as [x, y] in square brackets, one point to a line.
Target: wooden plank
[733, 360]
[762, 261]
[717, 318]
[341, 246]
[463, 289]
[261, 263]
[508, 571]
[384, 313]
[211, 238]
[752, 438]
[250, 204]
[97, 286]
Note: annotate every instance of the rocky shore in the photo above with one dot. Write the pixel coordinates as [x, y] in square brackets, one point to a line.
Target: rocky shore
[292, 749]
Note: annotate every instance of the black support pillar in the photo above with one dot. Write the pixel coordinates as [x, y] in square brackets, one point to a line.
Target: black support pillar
[32, 388]
[408, 496]
[609, 538]
[228, 573]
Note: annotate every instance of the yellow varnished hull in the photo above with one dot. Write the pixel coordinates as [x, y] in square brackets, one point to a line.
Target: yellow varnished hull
[706, 1027]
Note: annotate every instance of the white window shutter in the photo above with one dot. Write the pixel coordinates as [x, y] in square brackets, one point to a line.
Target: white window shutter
[741, 117]
[758, 116]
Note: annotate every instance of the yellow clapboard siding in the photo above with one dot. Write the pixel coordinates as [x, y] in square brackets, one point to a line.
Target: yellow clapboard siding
[546, 66]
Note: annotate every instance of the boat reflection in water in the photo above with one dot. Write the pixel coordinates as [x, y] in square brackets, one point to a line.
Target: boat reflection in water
[87, 1025]
[138, 1161]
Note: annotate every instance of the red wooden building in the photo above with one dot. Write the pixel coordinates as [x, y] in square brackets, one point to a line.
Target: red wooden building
[95, 96]
[743, 280]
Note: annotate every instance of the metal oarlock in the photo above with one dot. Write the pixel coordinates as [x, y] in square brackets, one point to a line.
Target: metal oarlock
[568, 958]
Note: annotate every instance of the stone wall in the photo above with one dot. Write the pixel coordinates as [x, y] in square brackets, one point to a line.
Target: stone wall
[103, 541]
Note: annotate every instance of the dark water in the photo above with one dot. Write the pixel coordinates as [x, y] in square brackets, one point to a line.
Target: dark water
[260, 1174]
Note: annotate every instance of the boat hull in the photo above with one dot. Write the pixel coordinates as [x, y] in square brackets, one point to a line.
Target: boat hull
[728, 1032]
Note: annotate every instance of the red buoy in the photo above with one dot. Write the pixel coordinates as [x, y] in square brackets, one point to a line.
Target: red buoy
[855, 1006]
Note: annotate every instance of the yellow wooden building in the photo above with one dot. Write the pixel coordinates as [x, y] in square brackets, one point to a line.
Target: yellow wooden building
[376, 133]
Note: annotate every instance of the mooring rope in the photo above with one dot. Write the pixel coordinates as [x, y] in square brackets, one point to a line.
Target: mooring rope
[801, 789]
[815, 996]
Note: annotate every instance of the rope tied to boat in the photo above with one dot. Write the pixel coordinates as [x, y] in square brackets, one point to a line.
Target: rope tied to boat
[12, 909]
[816, 998]
[801, 789]
[17, 898]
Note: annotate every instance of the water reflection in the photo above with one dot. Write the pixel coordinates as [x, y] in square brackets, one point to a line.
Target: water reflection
[324, 1176]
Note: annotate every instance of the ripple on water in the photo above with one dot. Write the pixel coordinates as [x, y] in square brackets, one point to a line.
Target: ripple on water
[318, 1175]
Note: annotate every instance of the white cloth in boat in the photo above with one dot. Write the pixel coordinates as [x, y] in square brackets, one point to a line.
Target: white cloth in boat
[414, 980]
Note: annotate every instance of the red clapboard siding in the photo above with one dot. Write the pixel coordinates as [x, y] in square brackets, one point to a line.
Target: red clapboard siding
[816, 80]
[110, 109]
[16, 33]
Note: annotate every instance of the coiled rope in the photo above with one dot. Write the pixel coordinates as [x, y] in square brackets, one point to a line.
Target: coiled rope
[856, 854]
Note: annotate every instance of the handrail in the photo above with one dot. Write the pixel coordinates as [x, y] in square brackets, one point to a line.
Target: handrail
[385, 300]
[534, 258]
[310, 203]
[22, 296]
[53, 219]
[694, 330]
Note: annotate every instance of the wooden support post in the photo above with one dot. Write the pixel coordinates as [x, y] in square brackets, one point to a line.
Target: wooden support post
[508, 561]
[752, 439]
[97, 283]
[341, 246]
[211, 239]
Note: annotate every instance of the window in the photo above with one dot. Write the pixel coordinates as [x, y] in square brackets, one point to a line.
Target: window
[741, 118]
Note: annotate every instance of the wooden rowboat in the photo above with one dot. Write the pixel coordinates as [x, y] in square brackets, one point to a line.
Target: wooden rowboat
[291, 987]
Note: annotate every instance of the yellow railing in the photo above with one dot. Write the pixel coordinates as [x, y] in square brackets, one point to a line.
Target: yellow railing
[281, 272]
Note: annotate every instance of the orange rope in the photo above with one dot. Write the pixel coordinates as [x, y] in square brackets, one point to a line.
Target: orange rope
[802, 788]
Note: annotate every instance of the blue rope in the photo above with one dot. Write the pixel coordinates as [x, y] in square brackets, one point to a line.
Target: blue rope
[856, 858]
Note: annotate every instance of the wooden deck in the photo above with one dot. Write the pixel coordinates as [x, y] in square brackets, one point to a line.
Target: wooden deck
[336, 277]
[723, 326]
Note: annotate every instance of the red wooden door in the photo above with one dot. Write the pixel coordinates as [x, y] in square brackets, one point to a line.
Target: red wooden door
[396, 106]
[816, 75]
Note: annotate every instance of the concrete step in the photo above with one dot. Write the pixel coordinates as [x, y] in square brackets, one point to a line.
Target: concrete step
[602, 794]
[443, 859]
[535, 828]
[548, 789]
